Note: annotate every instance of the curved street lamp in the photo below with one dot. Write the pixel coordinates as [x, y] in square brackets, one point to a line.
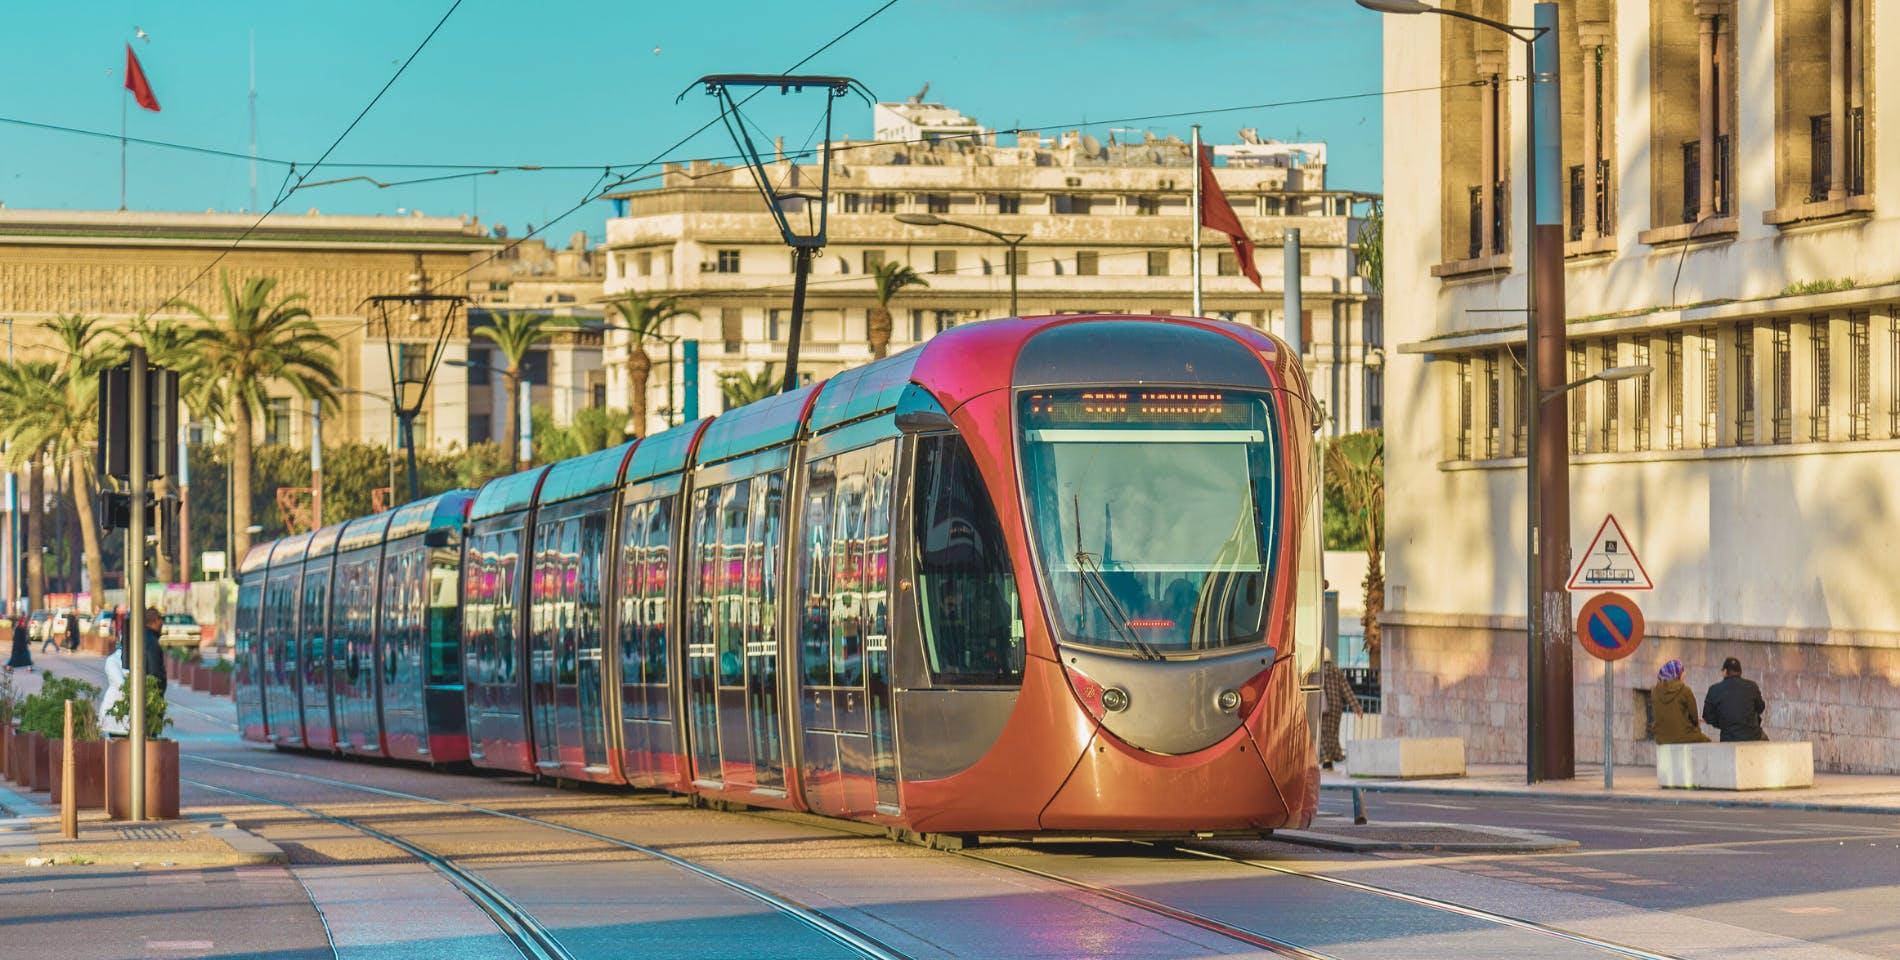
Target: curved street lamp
[1010, 240]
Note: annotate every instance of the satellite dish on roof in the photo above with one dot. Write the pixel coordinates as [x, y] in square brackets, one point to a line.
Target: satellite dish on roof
[1090, 145]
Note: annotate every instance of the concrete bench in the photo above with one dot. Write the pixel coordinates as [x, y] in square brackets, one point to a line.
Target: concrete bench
[1752, 765]
[1407, 758]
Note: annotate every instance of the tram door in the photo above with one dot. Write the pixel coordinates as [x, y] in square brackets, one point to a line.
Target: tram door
[313, 627]
[702, 640]
[570, 716]
[646, 711]
[353, 654]
[766, 510]
[546, 657]
[586, 601]
[733, 658]
[845, 666]
[279, 645]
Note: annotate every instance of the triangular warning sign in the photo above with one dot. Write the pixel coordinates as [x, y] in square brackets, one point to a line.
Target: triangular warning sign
[1610, 563]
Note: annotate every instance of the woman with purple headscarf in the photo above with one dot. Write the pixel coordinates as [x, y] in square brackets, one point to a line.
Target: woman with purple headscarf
[1672, 705]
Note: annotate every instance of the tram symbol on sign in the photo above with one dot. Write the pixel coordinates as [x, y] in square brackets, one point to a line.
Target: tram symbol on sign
[1610, 563]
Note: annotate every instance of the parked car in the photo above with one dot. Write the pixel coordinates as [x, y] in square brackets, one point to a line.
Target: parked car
[36, 624]
[180, 629]
[102, 624]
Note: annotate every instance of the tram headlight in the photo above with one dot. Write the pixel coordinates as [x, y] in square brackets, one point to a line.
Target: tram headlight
[1114, 699]
[1227, 700]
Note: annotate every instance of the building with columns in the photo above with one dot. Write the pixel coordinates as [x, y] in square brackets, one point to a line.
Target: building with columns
[1733, 223]
[1105, 226]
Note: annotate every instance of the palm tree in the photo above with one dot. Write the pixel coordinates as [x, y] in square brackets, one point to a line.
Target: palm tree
[641, 316]
[1355, 473]
[25, 392]
[49, 412]
[740, 388]
[1369, 248]
[75, 428]
[889, 278]
[515, 334]
[256, 341]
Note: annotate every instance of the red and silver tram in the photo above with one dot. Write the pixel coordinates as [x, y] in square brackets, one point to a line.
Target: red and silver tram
[1053, 574]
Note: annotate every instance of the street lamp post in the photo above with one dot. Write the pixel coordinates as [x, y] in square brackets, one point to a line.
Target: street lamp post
[1549, 741]
[1010, 240]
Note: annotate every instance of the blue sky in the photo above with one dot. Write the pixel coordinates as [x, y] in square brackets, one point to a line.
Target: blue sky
[595, 83]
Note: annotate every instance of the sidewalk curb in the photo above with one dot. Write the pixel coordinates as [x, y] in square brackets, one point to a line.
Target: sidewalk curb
[1519, 841]
[1687, 800]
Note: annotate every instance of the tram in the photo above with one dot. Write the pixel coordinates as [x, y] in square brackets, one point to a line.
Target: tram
[1036, 575]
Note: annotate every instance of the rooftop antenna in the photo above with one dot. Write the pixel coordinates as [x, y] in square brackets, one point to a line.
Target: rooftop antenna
[254, 121]
[806, 244]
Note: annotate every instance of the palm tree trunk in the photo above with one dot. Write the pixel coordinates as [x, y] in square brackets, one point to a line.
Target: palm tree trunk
[35, 532]
[89, 531]
[510, 419]
[1375, 604]
[639, 367]
[241, 483]
[878, 330]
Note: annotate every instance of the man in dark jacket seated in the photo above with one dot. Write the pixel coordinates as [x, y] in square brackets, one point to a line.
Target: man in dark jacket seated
[1734, 705]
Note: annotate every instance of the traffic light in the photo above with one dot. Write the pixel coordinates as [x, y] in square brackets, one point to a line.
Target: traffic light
[115, 512]
[114, 456]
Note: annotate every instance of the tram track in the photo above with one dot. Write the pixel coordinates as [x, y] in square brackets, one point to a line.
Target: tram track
[851, 939]
[529, 935]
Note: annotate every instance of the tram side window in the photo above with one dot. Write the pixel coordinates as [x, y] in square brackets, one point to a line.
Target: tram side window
[847, 571]
[316, 603]
[657, 585]
[734, 502]
[444, 623]
[815, 575]
[972, 619]
[591, 563]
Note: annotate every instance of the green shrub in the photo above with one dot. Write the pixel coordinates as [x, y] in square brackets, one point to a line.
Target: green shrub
[44, 712]
[224, 666]
[155, 708]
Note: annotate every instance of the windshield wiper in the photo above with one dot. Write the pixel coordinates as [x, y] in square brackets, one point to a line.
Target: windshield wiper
[1097, 588]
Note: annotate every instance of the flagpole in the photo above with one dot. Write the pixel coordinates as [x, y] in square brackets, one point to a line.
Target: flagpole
[1194, 238]
[122, 110]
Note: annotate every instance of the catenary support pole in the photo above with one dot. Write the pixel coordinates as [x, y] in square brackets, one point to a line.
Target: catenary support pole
[797, 331]
[1194, 204]
[135, 583]
[316, 465]
[1293, 296]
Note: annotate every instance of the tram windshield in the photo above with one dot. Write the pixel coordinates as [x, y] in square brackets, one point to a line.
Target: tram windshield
[1154, 512]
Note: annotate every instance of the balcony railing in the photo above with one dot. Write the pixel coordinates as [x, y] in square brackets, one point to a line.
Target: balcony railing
[1476, 247]
[1599, 194]
[1821, 155]
[1692, 178]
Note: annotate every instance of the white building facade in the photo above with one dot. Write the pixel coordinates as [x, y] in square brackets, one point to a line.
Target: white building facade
[1740, 235]
[1106, 229]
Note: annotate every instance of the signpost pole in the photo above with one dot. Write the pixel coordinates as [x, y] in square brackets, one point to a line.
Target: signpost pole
[1609, 724]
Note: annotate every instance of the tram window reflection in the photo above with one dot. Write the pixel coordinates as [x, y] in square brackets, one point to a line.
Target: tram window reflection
[971, 615]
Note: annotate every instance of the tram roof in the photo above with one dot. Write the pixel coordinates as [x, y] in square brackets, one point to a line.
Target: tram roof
[583, 475]
[364, 532]
[863, 391]
[442, 510]
[507, 494]
[664, 452]
[256, 559]
[755, 426]
[290, 549]
[323, 542]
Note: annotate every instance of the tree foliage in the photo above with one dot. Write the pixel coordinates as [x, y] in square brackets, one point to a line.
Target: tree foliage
[594, 429]
[888, 279]
[1355, 480]
[515, 333]
[1369, 249]
[740, 388]
[641, 316]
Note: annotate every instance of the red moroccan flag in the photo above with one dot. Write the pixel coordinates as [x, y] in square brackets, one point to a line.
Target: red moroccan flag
[135, 81]
[1218, 214]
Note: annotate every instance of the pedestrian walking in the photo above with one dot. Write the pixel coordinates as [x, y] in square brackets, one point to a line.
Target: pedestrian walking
[1339, 697]
[72, 632]
[22, 646]
[154, 651]
[50, 639]
[1672, 704]
[115, 690]
[1734, 705]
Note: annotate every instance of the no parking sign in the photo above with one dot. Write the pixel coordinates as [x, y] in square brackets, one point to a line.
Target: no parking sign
[1610, 626]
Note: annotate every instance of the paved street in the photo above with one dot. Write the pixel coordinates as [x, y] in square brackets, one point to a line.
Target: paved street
[1688, 880]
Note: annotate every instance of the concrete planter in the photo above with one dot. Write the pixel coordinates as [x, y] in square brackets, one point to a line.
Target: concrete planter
[220, 683]
[34, 762]
[161, 779]
[89, 774]
[10, 760]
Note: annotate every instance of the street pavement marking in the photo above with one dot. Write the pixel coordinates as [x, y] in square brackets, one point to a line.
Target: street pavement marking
[179, 945]
[1735, 827]
[1809, 910]
[1435, 806]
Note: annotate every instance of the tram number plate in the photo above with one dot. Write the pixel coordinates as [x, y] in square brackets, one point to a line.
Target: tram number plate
[877, 643]
[764, 648]
[700, 650]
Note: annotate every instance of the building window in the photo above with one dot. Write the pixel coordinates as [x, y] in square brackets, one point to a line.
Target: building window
[599, 395]
[1711, 386]
[871, 260]
[1822, 360]
[1745, 383]
[1464, 408]
[1612, 392]
[1672, 376]
[1821, 52]
[412, 361]
[1226, 265]
[1018, 263]
[480, 367]
[1691, 178]
[852, 203]
[774, 319]
[1782, 343]
[1519, 384]
[1493, 419]
[481, 428]
[1073, 204]
[732, 328]
[1375, 398]
[728, 261]
[1639, 356]
[883, 203]
[936, 202]
[1157, 263]
[1007, 203]
[944, 261]
[534, 368]
[1860, 365]
[277, 420]
[1147, 206]
[643, 263]
[1086, 263]
[1579, 412]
